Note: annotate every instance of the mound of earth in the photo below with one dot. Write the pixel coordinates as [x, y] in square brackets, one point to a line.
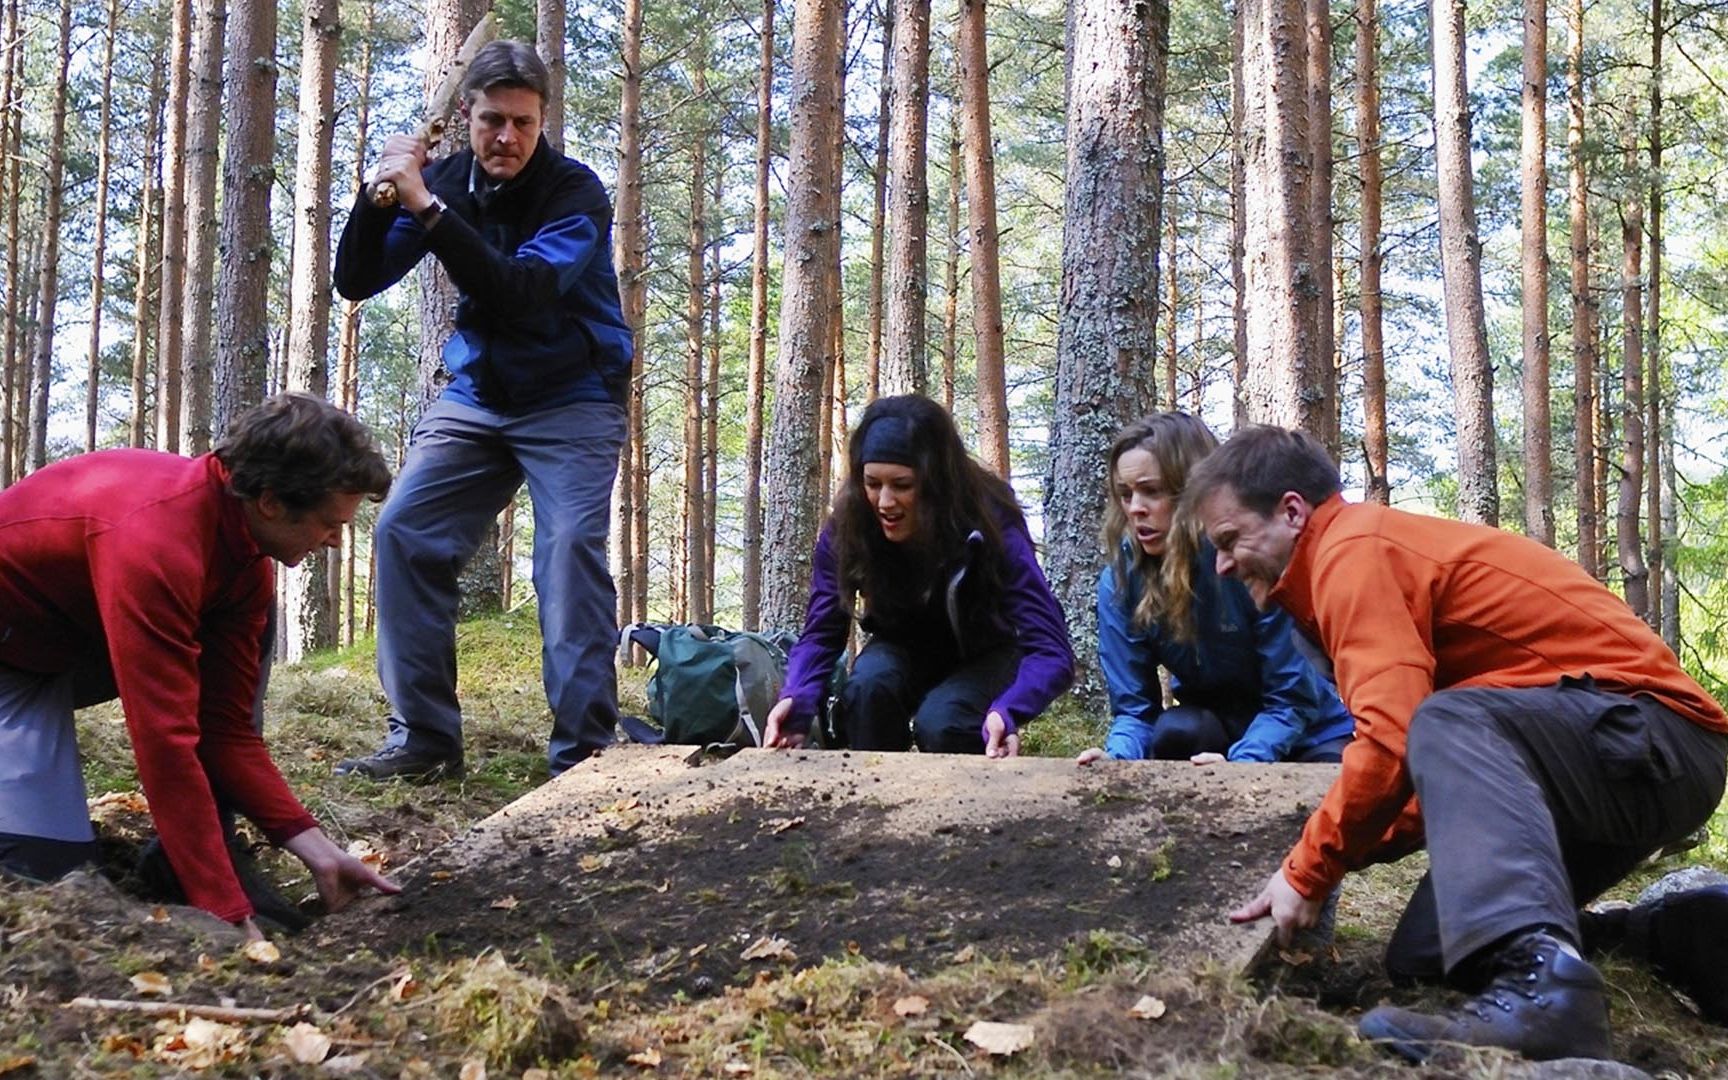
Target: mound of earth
[691, 873]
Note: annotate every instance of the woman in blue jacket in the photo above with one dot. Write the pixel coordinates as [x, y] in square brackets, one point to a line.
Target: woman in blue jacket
[1243, 689]
[966, 642]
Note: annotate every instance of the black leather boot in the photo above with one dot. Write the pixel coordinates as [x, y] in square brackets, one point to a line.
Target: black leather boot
[156, 878]
[1540, 1002]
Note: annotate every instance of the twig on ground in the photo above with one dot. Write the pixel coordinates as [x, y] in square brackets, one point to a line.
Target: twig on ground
[226, 1013]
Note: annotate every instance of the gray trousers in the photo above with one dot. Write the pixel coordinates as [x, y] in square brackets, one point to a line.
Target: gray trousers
[44, 816]
[1534, 802]
[464, 467]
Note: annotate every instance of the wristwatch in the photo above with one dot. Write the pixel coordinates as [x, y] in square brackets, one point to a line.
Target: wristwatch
[429, 214]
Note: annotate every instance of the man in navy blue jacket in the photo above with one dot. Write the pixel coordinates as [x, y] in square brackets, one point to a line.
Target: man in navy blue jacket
[538, 368]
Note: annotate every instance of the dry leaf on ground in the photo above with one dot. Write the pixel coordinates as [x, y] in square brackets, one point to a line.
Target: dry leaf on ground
[345, 1065]
[262, 952]
[738, 1068]
[590, 863]
[505, 903]
[306, 1044]
[1147, 1008]
[770, 948]
[782, 824]
[15, 1064]
[403, 985]
[1114, 862]
[152, 984]
[536, 1074]
[647, 1059]
[367, 854]
[201, 1044]
[1000, 1039]
[158, 914]
[911, 1005]
[1295, 957]
[473, 1069]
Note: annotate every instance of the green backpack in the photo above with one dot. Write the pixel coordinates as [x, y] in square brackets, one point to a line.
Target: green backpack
[710, 684]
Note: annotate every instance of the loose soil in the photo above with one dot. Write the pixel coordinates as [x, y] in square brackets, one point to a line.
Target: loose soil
[673, 871]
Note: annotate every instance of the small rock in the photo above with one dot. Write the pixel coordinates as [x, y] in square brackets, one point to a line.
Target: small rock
[1574, 1069]
[1683, 880]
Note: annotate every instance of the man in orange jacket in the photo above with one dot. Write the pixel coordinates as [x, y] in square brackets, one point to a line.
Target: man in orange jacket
[1550, 740]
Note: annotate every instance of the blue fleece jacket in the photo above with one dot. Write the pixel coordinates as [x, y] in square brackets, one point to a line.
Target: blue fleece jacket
[1236, 648]
[540, 324]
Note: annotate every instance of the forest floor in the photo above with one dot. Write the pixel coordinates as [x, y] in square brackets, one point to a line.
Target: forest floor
[766, 915]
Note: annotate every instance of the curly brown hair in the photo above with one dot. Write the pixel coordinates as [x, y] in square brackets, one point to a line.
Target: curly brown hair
[303, 449]
[1177, 442]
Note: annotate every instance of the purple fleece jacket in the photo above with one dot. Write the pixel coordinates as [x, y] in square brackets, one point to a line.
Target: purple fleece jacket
[1028, 608]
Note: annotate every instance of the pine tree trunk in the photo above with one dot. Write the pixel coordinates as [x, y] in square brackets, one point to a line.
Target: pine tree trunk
[984, 247]
[203, 146]
[1379, 485]
[104, 123]
[308, 619]
[1538, 440]
[148, 266]
[1318, 28]
[833, 379]
[1107, 331]
[794, 487]
[1172, 299]
[43, 378]
[629, 257]
[1634, 574]
[756, 378]
[549, 18]
[171, 322]
[348, 340]
[1461, 268]
[904, 368]
[1654, 433]
[695, 356]
[11, 436]
[1584, 450]
[711, 454]
[951, 269]
[248, 178]
[879, 210]
[1285, 380]
[1238, 221]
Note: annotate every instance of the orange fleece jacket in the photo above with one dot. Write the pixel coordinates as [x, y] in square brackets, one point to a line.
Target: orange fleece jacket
[1405, 605]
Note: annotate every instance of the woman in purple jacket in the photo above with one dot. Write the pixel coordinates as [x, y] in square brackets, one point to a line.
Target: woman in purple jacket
[966, 643]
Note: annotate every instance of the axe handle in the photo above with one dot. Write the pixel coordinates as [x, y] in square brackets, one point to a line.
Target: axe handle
[383, 193]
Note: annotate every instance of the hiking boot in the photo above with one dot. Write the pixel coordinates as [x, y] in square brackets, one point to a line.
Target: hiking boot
[156, 877]
[1541, 1003]
[1682, 935]
[401, 763]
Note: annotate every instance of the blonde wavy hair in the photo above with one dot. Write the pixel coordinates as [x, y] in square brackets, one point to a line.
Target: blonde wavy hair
[1177, 442]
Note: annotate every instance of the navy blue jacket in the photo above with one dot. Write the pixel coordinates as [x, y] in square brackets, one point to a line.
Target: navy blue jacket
[540, 324]
[1238, 652]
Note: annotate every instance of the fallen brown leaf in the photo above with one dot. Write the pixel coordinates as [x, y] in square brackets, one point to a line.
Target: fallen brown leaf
[158, 914]
[999, 1039]
[505, 903]
[404, 986]
[473, 1069]
[152, 984]
[1147, 1008]
[780, 825]
[306, 1044]
[911, 1005]
[15, 1064]
[647, 1059]
[590, 863]
[965, 955]
[770, 948]
[262, 952]
[1295, 957]
[738, 1068]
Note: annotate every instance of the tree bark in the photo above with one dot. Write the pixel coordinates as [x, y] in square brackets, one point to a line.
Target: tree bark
[1379, 485]
[1583, 303]
[203, 147]
[1654, 435]
[1172, 299]
[1285, 381]
[756, 377]
[1461, 268]
[1238, 221]
[695, 356]
[905, 364]
[308, 621]
[248, 178]
[1107, 330]
[1634, 574]
[549, 19]
[879, 210]
[98, 258]
[805, 338]
[984, 247]
[1318, 16]
[1538, 447]
[43, 379]
[951, 270]
[629, 256]
[147, 266]
[170, 327]
[11, 437]
[711, 453]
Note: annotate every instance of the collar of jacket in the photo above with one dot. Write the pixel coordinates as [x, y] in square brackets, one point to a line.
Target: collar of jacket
[483, 194]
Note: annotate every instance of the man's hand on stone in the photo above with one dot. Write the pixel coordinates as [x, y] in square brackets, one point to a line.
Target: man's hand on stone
[1290, 910]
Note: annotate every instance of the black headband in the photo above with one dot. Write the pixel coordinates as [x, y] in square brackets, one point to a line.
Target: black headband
[888, 439]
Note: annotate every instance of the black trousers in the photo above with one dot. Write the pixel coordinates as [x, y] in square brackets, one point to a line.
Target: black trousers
[1535, 801]
[1190, 728]
[894, 695]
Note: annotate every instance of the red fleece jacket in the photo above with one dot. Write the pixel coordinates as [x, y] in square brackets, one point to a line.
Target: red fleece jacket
[144, 558]
[1406, 605]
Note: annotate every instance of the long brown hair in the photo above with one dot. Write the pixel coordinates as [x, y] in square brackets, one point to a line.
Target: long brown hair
[1177, 442]
[955, 496]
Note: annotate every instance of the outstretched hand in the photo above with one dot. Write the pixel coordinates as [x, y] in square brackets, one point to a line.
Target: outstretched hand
[339, 876]
[1090, 754]
[999, 742]
[774, 733]
[1290, 910]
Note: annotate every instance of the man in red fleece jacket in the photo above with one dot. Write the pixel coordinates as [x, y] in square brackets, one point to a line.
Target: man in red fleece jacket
[147, 576]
